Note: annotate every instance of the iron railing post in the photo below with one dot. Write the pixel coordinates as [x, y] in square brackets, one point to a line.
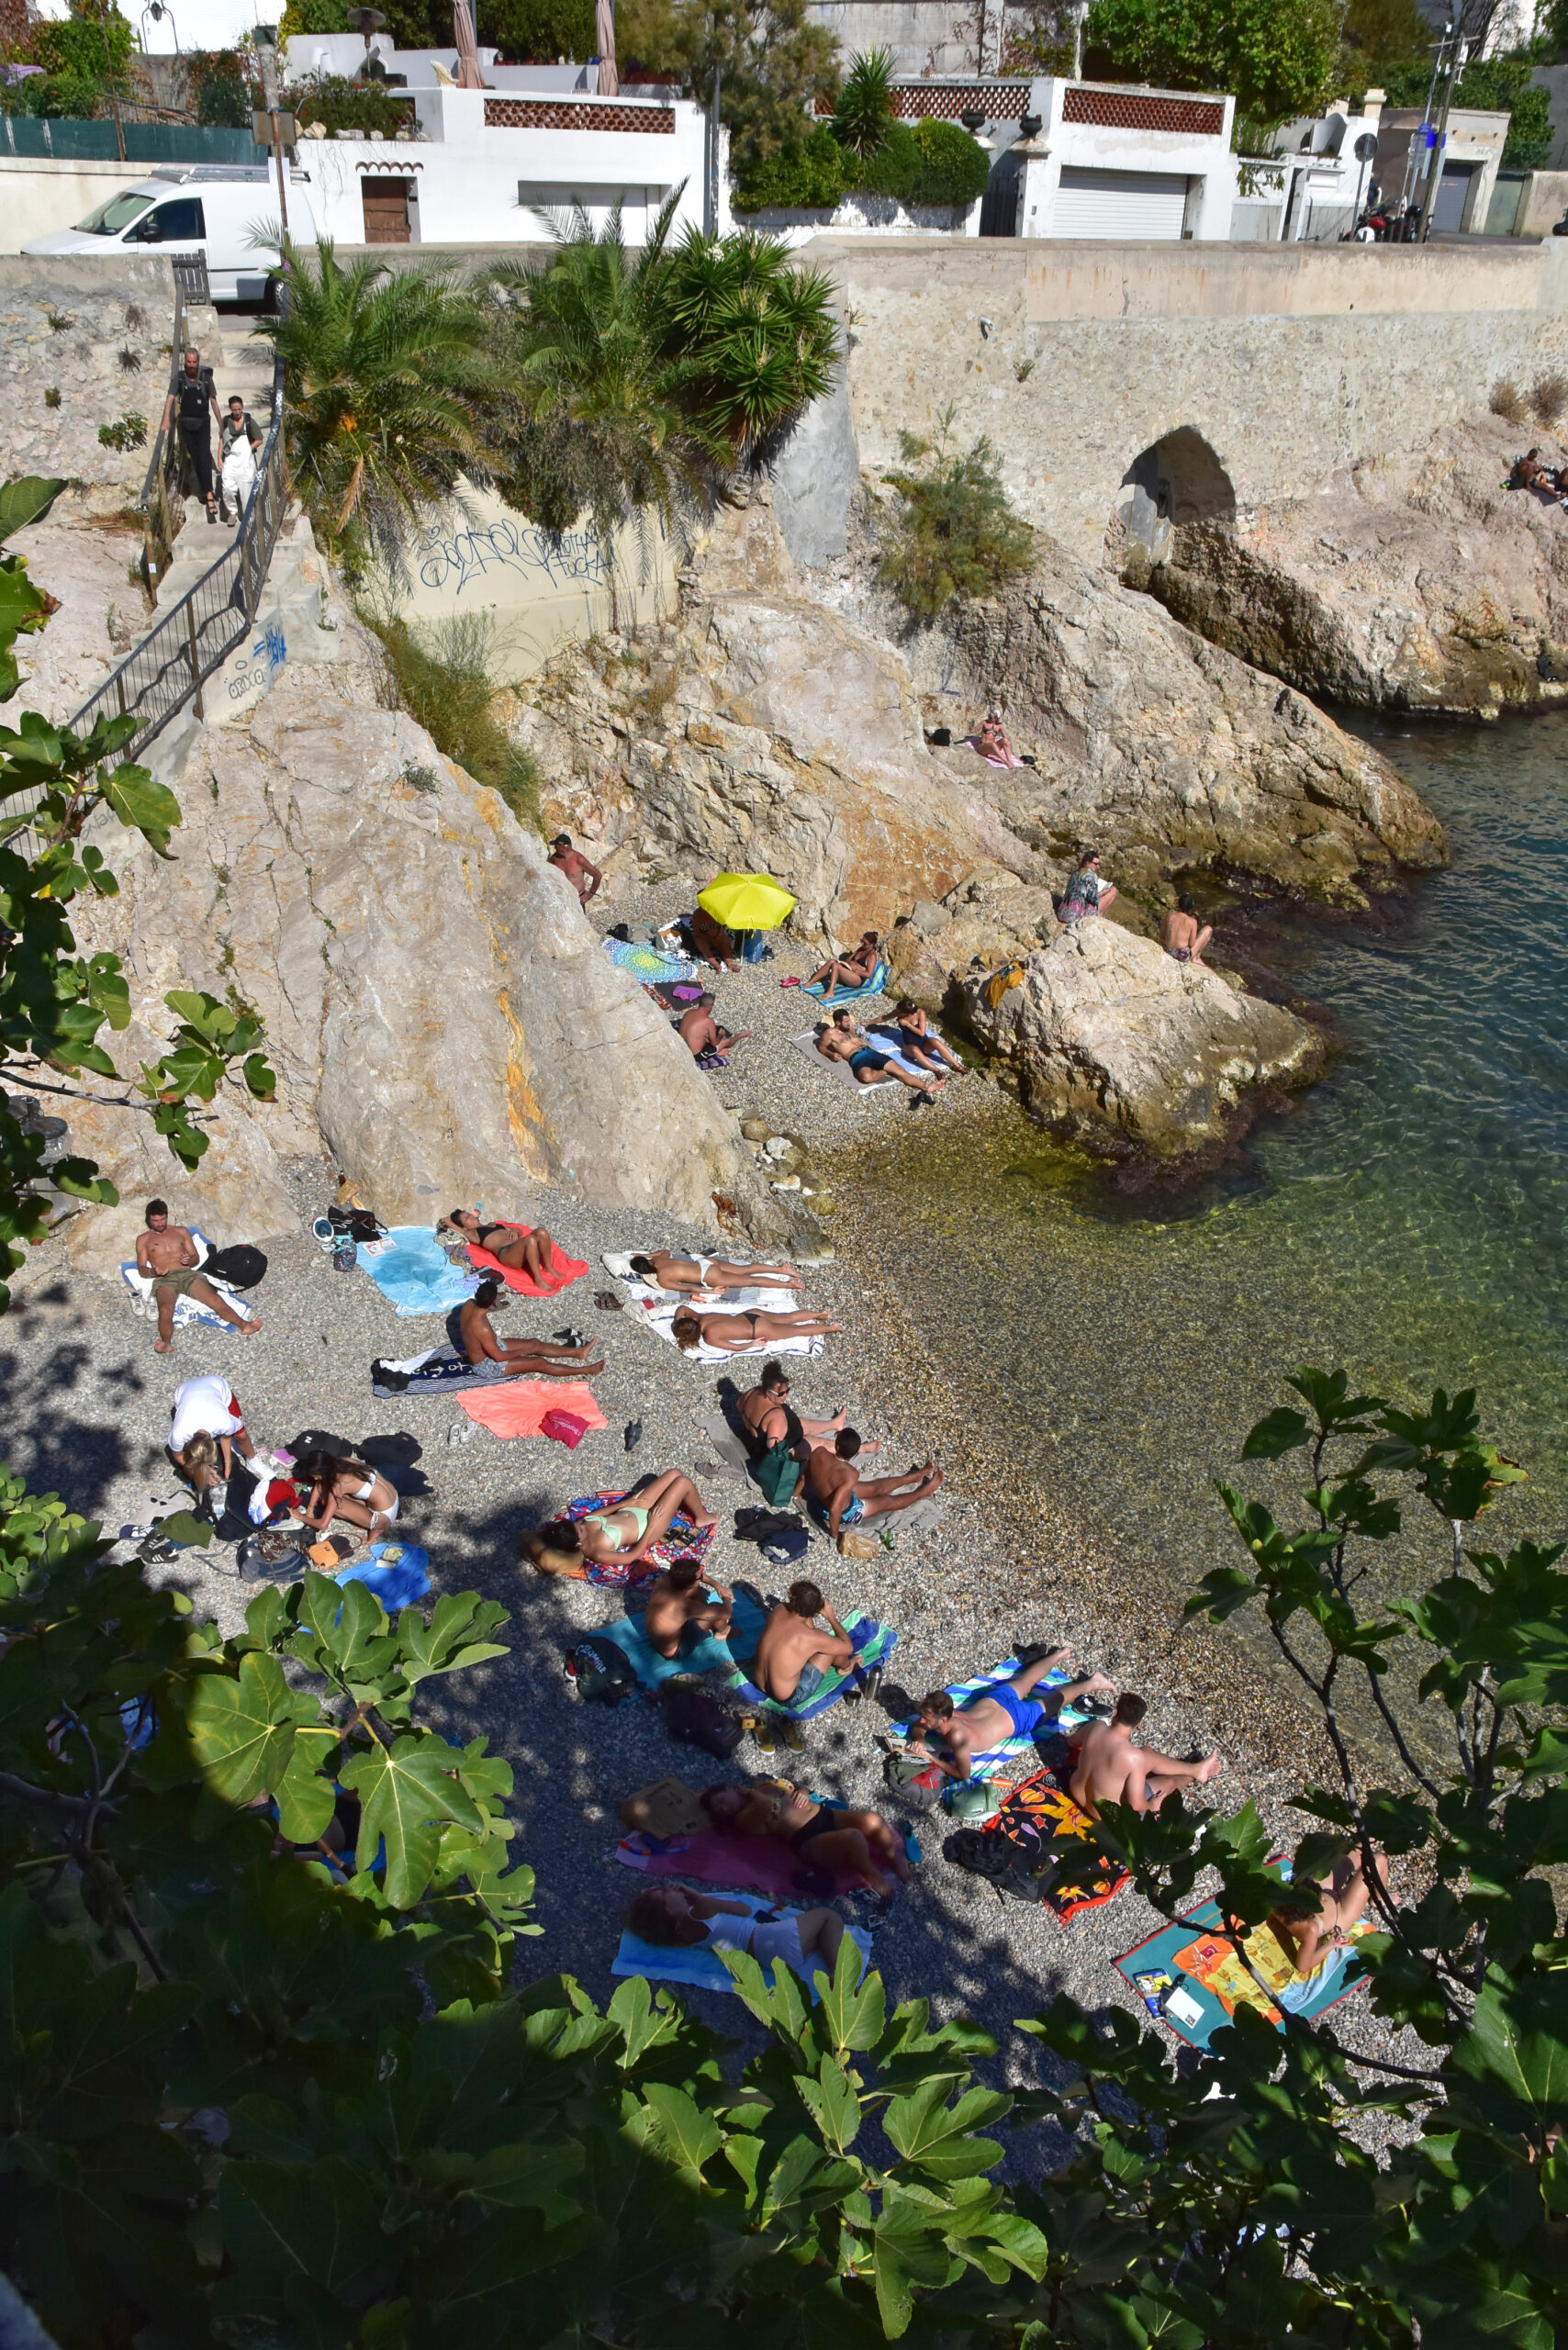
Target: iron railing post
[196, 661]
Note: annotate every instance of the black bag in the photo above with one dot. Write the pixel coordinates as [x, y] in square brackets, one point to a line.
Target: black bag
[355, 1224]
[602, 1671]
[385, 1382]
[696, 1719]
[235, 1521]
[240, 1266]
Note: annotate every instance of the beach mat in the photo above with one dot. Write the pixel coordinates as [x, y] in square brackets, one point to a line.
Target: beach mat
[707, 1655]
[873, 985]
[397, 1573]
[840, 1071]
[656, 1309]
[413, 1272]
[516, 1406]
[646, 963]
[568, 1269]
[992, 1764]
[702, 1968]
[1041, 1825]
[684, 1541]
[873, 1644]
[1191, 1978]
[439, 1370]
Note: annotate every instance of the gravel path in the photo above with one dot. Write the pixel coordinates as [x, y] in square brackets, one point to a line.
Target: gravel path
[84, 1410]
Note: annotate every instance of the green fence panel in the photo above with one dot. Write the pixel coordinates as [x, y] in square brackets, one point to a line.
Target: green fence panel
[145, 143]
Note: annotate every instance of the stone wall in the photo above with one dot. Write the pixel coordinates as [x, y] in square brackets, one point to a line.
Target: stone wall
[1293, 363]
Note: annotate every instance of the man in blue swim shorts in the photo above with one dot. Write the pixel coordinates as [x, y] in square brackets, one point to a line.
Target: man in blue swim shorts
[1003, 1710]
[839, 1497]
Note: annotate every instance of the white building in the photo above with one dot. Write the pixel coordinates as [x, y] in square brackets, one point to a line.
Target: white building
[1103, 159]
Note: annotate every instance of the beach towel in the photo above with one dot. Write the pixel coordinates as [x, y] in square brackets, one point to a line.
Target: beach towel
[873, 985]
[656, 1310]
[684, 1541]
[439, 1370]
[1028, 1849]
[188, 1309]
[397, 1573]
[411, 1270]
[567, 1269]
[749, 1863]
[648, 964]
[993, 1762]
[710, 1655]
[844, 1075]
[873, 1644]
[1190, 1977]
[516, 1406]
[702, 1967]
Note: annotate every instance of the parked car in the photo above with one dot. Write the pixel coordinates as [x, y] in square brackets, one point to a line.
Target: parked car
[221, 211]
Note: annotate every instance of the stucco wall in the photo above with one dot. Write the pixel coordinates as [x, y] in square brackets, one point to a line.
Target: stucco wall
[1291, 361]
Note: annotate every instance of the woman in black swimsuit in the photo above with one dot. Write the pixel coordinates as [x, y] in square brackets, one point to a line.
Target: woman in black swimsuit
[741, 1334]
[198, 404]
[860, 1844]
[525, 1251]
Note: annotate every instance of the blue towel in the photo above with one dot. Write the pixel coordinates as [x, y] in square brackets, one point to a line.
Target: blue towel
[414, 1274]
[710, 1655]
[873, 985]
[702, 1966]
[397, 1585]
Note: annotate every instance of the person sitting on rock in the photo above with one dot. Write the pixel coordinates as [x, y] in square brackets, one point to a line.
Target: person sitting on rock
[851, 970]
[585, 878]
[745, 1333]
[991, 741]
[1003, 1709]
[845, 1040]
[1085, 892]
[859, 1843]
[494, 1357]
[672, 1917]
[621, 1534]
[685, 1608]
[710, 942]
[1528, 473]
[792, 1656]
[918, 1041]
[699, 1030]
[692, 1274]
[166, 1254]
[1110, 1769]
[1182, 935]
[525, 1250]
[837, 1497]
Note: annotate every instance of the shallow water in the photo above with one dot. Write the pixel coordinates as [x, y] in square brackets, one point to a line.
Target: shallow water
[1408, 1219]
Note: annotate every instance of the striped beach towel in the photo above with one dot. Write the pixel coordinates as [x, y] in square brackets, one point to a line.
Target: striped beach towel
[873, 1644]
[993, 1762]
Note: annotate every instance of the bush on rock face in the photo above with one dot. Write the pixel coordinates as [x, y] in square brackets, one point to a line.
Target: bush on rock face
[957, 536]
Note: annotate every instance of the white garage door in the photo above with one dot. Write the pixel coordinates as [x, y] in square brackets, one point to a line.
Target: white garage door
[1133, 205]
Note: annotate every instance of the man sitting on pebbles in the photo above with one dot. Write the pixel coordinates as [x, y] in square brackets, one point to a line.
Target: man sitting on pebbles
[1007, 1709]
[685, 1605]
[1110, 1769]
[840, 1499]
[793, 1656]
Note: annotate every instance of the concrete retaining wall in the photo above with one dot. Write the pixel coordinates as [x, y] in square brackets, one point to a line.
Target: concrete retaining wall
[1290, 362]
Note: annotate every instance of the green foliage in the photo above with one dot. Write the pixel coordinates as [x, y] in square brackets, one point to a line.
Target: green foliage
[864, 111]
[814, 176]
[1381, 34]
[53, 1001]
[774, 62]
[445, 684]
[339, 104]
[538, 31]
[127, 431]
[1277, 56]
[86, 59]
[957, 536]
[313, 17]
[930, 163]
[224, 102]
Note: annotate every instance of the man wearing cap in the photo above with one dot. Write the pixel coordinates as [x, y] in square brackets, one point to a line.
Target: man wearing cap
[575, 866]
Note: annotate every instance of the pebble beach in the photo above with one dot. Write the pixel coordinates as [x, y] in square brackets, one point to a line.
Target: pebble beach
[84, 1408]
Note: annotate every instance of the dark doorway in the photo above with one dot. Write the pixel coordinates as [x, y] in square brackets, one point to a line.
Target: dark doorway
[387, 211]
[1177, 479]
[1454, 195]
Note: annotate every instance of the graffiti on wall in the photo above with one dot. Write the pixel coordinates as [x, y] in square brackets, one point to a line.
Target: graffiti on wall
[448, 565]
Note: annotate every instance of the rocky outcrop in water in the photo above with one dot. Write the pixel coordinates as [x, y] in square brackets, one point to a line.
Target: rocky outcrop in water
[1120, 1049]
[1417, 581]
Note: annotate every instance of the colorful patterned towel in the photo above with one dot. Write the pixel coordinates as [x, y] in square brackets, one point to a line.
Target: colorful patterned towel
[516, 1405]
[1036, 1816]
[1190, 1977]
[991, 1765]
[684, 1541]
[873, 985]
[873, 1644]
[568, 1269]
[646, 963]
[410, 1267]
[702, 1967]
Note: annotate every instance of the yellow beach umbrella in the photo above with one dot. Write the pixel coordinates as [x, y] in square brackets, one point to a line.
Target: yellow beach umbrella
[747, 901]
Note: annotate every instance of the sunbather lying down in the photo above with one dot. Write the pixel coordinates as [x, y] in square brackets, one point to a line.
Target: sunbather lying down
[674, 1918]
[869, 1064]
[530, 1252]
[1006, 1710]
[515, 1358]
[741, 1334]
[856, 1841]
[666, 1272]
[616, 1537]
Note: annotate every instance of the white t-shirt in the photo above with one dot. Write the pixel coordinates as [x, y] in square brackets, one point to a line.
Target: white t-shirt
[203, 1407]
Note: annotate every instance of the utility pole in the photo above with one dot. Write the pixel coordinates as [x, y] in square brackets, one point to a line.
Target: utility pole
[112, 79]
[266, 53]
[1435, 176]
[1407, 185]
[714, 158]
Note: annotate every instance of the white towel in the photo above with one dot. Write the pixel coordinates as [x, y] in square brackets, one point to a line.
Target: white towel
[188, 1309]
[657, 1309]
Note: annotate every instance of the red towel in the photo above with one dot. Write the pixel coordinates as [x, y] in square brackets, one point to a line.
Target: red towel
[519, 1407]
[569, 1269]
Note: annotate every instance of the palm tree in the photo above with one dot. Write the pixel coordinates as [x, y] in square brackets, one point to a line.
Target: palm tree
[391, 377]
[864, 103]
[761, 333]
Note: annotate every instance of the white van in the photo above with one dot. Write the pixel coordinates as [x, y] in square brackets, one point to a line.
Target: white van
[220, 210]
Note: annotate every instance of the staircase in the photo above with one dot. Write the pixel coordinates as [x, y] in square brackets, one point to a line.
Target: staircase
[244, 366]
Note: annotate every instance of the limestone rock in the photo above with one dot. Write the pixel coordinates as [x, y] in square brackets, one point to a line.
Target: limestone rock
[1415, 581]
[1120, 1049]
[987, 918]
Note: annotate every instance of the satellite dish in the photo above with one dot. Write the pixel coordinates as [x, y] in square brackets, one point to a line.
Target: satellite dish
[1365, 148]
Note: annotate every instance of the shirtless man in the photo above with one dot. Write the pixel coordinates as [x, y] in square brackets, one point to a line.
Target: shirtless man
[584, 878]
[869, 1064]
[1182, 936]
[710, 942]
[1110, 1769]
[685, 1600]
[1007, 1709]
[851, 970]
[793, 1655]
[840, 1500]
[167, 1254]
[691, 1275]
[514, 1357]
[699, 1030]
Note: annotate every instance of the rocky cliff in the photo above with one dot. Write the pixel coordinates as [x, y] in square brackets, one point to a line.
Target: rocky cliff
[1415, 581]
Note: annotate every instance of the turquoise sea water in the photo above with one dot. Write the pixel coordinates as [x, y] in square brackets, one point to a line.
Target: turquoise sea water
[1406, 1219]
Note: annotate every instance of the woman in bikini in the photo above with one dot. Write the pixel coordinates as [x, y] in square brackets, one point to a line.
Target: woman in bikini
[742, 1334]
[665, 1271]
[350, 1490]
[851, 970]
[1320, 1944]
[618, 1536]
[520, 1250]
[857, 1842]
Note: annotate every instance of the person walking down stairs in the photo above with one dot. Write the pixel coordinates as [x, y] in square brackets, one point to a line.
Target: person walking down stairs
[198, 406]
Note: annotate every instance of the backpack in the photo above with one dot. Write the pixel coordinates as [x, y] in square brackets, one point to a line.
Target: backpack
[240, 1266]
[974, 1799]
[602, 1671]
[696, 1718]
[355, 1224]
[275, 1557]
[778, 1472]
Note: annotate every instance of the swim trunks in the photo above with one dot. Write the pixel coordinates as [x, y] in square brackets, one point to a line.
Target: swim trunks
[177, 1282]
[1026, 1714]
[1180, 954]
[869, 1058]
[810, 1682]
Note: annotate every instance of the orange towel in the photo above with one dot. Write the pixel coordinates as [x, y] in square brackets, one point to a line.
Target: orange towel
[517, 1408]
[570, 1269]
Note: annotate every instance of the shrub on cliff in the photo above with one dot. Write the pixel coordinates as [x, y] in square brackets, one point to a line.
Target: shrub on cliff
[444, 683]
[956, 536]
